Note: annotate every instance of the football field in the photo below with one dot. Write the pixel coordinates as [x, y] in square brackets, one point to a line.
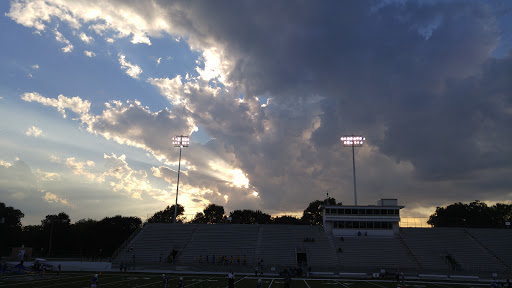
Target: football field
[148, 280]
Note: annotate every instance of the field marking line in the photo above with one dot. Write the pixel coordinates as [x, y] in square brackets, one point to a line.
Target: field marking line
[375, 284]
[271, 283]
[435, 284]
[340, 283]
[238, 281]
[306, 283]
[201, 281]
[106, 283]
[40, 281]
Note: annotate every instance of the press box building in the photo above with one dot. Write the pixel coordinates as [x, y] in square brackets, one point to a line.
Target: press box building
[381, 220]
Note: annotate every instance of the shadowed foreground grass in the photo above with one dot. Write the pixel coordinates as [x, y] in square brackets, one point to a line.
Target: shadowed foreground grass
[148, 280]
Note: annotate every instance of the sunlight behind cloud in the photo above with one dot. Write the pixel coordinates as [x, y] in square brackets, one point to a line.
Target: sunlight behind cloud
[234, 176]
[34, 131]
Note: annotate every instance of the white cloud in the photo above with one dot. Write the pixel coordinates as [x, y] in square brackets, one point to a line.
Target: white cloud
[52, 198]
[216, 66]
[80, 168]
[60, 38]
[35, 67]
[34, 131]
[131, 182]
[158, 61]
[75, 104]
[89, 54]
[131, 70]
[5, 164]
[171, 88]
[85, 38]
[120, 17]
[48, 176]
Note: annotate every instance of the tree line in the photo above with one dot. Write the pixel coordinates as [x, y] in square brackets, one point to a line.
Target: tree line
[89, 238]
[476, 214]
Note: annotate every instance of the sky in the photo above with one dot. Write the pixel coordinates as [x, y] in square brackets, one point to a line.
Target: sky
[92, 92]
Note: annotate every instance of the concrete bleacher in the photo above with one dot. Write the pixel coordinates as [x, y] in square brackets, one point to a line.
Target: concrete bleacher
[496, 241]
[432, 246]
[419, 249]
[374, 252]
[154, 241]
[281, 243]
[221, 240]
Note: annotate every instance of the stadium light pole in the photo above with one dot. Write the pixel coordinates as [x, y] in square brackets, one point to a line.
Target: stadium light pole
[179, 141]
[353, 141]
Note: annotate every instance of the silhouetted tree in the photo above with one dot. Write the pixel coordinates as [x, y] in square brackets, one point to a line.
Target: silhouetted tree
[313, 214]
[475, 214]
[114, 231]
[167, 215]
[57, 232]
[10, 227]
[249, 217]
[285, 219]
[86, 233]
[212, 214]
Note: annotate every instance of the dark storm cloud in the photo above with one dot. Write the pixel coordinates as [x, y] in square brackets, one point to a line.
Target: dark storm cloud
[411, 76]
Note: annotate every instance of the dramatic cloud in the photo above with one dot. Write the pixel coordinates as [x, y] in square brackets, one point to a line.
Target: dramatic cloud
[274, 86]
[130, 69]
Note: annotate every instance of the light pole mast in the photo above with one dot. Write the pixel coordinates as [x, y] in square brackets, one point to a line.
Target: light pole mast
[353, 141]
[179, 141]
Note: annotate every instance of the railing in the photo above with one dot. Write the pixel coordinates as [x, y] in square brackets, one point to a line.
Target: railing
[414, 222]
[125, 243]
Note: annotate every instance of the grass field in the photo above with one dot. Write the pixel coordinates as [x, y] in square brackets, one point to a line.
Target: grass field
[132, 280]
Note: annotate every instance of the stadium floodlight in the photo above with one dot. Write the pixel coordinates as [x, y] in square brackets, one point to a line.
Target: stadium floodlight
[353, 141]
[179, 141]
